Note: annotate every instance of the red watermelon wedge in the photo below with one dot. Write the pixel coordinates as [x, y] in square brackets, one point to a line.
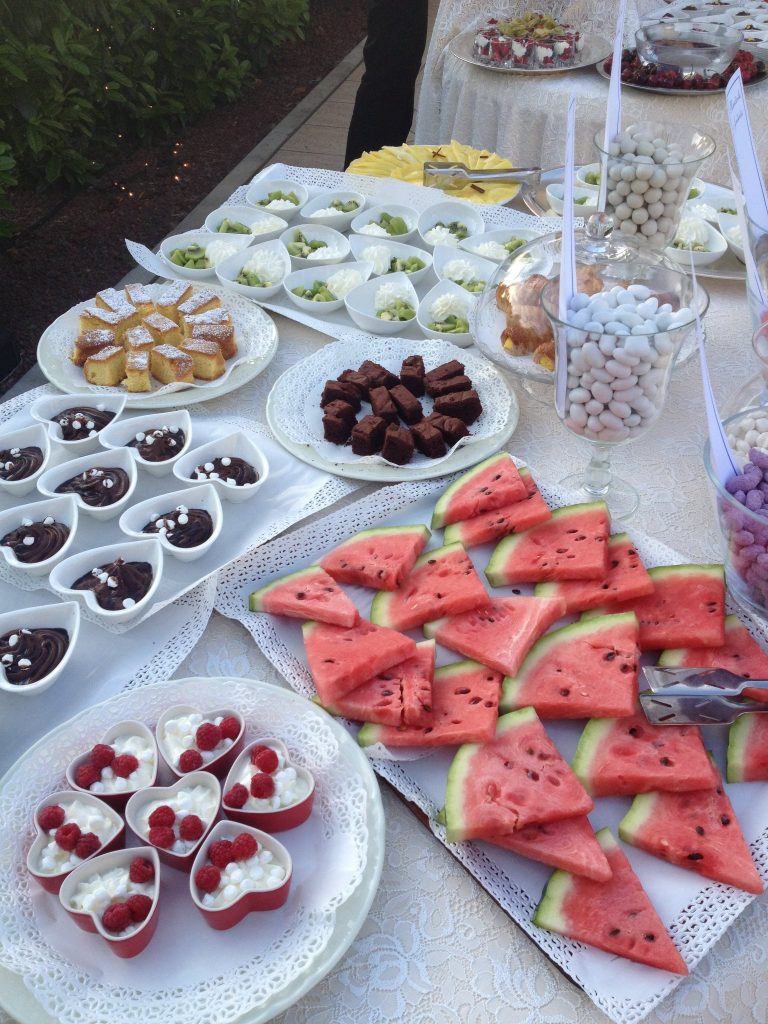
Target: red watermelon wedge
[697, 831]
[569, 844]
[490, 526]
[686, 608]
[443, 580]
[341, 659]
[571, 545]
[310, 593]
[615, 916]
[585, 670]
[627, 579]
[499, 635]
[380, 558]
[626, 756]
[748, 749]
[401, 695]
[489, 485]
[465, 704]
[516, 779]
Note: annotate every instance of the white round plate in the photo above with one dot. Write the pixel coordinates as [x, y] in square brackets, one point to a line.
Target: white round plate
[595, 49]
[256, 334]
[17, 1000]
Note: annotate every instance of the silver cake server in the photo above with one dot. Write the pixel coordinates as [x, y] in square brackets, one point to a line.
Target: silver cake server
[451, 177]
[698, 696]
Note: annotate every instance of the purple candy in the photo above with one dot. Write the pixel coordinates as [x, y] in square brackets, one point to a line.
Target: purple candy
[754, 500]
[758, 458]
[741, 496]
[762, 561]
[740, 482]
[743, 538]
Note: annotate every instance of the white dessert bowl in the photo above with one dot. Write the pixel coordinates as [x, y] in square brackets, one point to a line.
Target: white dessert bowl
[116, 798]
[65, 615]
[260, 190]
[235, 445]
[62, 508]
[499, 236]
[583, 171]
[227, 271]
[402, 250]
[203, 496]
[218, 765]
[440, 290]
[46, 409]
[334, 240]
[445, 212]
[585, 209]
[717, 246]
[373, 214]
[361, 304]
[445, 255]
[338, 220]
[35, 436]
[250, 217]
[119, 435]
[727, 222]
[306, 278]
[205, 239]
[118, 458]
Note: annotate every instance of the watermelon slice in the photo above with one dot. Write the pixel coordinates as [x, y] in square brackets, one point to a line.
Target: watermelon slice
[748, 749]
[686, 608]
[443, 580]
[697, 831]
[627, 579]
[500, 635]
[490, 526]
[341, 659]
[569, 844]
[402, 695]
[309, 593]
[516, 779]
[625, 756]
[380, 558]
[585, 670]
[615, 916]
[571, 545]
[465, 704]
[491, 484]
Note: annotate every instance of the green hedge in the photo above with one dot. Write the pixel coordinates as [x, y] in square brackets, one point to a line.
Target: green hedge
[77, 74]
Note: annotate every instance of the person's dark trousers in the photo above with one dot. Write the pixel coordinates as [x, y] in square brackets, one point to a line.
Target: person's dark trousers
[397, 35]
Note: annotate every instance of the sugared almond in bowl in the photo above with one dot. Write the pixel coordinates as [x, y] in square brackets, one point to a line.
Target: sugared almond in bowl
[116, 896]
[71, 827]
[191, 740]
[238, 870]
[175, 819]
[264, 790]
[123, 761]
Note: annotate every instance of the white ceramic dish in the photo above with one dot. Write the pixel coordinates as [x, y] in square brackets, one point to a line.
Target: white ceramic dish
[118, 435]
[424, 312]
[306, 278]
[120, 458]
[361, 303]
[237, 445]
[250, 217]
[482, 269]
[203, 238]
[589, 194]
[260, 190]
[338, 220]
[409, 215]
[35, 436]
[726, 223]
[53, 616]
[62, 508]
[400, 250]
[581, 176]
[500, 236]
[445, 213]
[228, 270]
[204, 496]
[716, 245]
[334, 240]
[46, 410]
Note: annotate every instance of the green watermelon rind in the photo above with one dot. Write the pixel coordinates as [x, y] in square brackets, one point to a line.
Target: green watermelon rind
[662, 572]
[457, 668]
[738, 738]
[430, 628]
[558, 637]
[589, 743]
[551, 589]
[675, 656]
[495, 568]
[257, 597]
[549, 913]
[368, 734]
[636, 817]
[452, 532]
[443, 502]
[381, 602]
[382, 531]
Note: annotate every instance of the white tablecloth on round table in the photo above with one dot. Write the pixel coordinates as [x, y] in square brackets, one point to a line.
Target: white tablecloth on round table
[522, 117]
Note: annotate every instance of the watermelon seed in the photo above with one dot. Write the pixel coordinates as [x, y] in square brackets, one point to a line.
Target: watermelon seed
[561, 551]
[489, 704]
[699, 830]
[609, 656]
[695, 856]
[649, 937]
[532, 775]
[666, 762]
[725, 820]
[565, 693]
[614, 563]
[329, 661]
[300, 596]
[635, 731]
[553, 780]
[614, 931]
[462, 689]
[530, 751]
[627, 668]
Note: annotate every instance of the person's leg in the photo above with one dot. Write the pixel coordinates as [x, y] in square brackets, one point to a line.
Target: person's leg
[397, 35]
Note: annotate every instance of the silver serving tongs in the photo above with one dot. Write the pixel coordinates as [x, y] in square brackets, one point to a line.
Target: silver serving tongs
[454, 176]
[698, 696]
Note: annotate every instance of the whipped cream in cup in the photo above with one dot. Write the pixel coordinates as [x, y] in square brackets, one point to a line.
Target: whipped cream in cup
[100, 890]
[53, 860]
[290, 788]
[258, 873]
[200, 800]
[179, 735]
[143, 750]
[374, 229]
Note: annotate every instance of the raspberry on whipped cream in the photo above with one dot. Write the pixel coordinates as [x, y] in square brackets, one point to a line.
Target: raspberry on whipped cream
[181, 734]
[116, 777]
[54, 859]
[288, 788]
[222, 886]
[97, 893]
[200, 801]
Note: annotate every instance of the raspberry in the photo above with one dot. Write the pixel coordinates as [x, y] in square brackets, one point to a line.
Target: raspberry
[67, 836]
[190, 761]
[208, 736]
[220, 853]
[262, 786]
[162, 836]
[256, 751]
[86, 775]
[139, 906]
[52, 816]
[87, 844]
[102, 755]
[141, 870]
[237, 796]
[164, 815]
[244, 846]
[125, 765]
[117, 917]
[230, 727]
[266, 760]
[191, 827]
[207, 879]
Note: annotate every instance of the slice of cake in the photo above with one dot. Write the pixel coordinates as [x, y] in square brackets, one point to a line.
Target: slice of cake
[207, 360]
[199, 302]
[139, 339]
[111, 298]
[91, 342]
[163, 330]
[137, 376]
[106, 368]
[222, 334]
[211, 318]
[168, 300]
[94, 318]
[140, 296]
[170, 365]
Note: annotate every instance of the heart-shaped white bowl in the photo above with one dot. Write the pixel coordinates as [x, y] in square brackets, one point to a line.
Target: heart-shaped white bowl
[335, 243]
[205, 497]
[290, 813]
[373, 215]
[235, 445]
[63, 509]
[35, 436]
[219, 764]
[446, 212]
[204, 239]
[306, 279]
[260, 222]
[118, 458]
[361, 304]
[46, 410]
[461, 296]
[70, 569]
[360, 244]
[228, 270]
[336, 219]
[119, 435]
[137, 735]
[48, 616]
[259, 190]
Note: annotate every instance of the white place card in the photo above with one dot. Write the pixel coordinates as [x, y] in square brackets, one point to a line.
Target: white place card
[752, 183]
[755, 284]
[567, 257]
[613, 109]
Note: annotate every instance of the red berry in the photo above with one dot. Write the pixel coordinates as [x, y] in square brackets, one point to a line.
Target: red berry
[255, 751]
[220, 853]
[244, 846]
[266, 760]
[190, 761]
[52, 816]
[116, 918]
[102, 755]
[86, 775]
[139, 906]
[87, 844]
[230, 727]
[141, 870]
[191, 827]
[237, 796]
[207, 879]
[208, 736]
[162, 836]
[125, 765]
[262, 786]
[67, 836]
[164, 815]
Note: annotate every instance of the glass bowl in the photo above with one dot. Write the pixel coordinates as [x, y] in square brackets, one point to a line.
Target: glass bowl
[689, 47]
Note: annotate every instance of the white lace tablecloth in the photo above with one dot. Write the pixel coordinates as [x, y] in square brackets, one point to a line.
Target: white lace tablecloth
[522, 117]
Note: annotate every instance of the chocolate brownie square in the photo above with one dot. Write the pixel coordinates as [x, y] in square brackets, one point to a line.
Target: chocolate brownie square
[406, 404]
[336, 429]
[382, 404]
[341, 410]
[412, 375]
[398, 445]
[451, 428]
[358, 381]
[378, 376]
[368, 435]
[428, 439]
[436, 388]
[335, 391]
[464, 405]
[450, 369]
